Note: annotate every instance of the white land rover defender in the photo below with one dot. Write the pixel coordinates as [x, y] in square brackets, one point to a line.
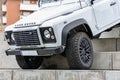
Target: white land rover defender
[61, 27]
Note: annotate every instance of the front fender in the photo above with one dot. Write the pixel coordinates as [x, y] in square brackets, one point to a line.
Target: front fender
[69, 27]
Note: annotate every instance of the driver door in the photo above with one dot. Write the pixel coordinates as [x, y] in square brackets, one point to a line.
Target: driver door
[106, 12]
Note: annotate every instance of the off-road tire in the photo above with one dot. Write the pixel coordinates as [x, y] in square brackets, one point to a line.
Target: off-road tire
[79, 51]
[29, 62]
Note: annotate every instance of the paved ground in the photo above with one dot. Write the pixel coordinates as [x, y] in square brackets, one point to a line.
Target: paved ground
[59, 75]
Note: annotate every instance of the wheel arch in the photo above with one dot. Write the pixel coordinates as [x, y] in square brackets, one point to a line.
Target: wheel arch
[79, 25]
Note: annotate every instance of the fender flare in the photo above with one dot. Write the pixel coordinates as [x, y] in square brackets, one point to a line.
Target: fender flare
[69, 27]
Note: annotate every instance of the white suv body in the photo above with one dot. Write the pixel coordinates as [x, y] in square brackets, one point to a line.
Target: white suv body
[60, 17]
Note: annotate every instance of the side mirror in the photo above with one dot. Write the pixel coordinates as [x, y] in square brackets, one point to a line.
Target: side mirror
[92, 1]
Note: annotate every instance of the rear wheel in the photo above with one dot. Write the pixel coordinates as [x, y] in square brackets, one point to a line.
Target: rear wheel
[29, 62]
[79, 51]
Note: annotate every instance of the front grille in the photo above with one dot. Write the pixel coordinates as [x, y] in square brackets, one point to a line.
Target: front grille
[25, 38]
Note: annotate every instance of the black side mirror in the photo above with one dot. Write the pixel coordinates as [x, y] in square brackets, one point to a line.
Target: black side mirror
[92, 1]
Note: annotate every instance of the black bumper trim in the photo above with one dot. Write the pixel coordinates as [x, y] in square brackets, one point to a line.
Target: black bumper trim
[41, 52]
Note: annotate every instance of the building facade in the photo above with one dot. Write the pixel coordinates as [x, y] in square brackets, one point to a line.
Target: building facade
[13, 10]
[1, 2]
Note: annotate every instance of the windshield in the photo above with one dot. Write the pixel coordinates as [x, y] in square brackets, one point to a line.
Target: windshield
[40, 2]
[49, 1]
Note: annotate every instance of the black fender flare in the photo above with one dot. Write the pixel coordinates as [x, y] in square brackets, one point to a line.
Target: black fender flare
[69, 27]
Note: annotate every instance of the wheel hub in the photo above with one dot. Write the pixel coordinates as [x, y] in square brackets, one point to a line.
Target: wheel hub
[85, 51]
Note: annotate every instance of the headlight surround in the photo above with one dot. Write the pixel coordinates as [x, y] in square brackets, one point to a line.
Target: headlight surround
[48, 35]
[10, 37]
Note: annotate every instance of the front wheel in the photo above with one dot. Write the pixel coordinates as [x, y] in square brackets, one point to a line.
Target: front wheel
[29, 62]
[79, 51]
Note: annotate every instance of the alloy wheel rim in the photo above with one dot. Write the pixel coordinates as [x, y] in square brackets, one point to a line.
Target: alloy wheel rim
[85, 51]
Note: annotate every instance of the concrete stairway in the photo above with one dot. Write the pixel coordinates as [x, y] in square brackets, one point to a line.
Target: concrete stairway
[105, 56]
[106, 65]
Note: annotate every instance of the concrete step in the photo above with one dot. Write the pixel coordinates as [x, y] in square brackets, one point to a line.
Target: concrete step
[102, 60]
[59, 75]
[106, 44]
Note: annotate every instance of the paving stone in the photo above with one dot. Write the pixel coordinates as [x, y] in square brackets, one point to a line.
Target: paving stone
[116, 60]
[118, 44]
[5, 74]
[91, 75]
[34, 75]
[112, 75]
[114, 33]
[8, 61]
[102, 60]
[80, 75]
[104, 45]
[67, 75]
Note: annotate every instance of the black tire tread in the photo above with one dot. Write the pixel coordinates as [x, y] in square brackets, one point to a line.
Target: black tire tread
[25, 65]
[72, 51]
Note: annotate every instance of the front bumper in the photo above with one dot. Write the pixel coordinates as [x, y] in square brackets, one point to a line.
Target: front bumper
[39, 52]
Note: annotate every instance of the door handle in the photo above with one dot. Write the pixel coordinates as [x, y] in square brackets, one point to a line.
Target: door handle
[113, 3]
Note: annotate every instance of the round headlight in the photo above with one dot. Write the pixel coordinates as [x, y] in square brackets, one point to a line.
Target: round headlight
[47, 34]
[12, 36]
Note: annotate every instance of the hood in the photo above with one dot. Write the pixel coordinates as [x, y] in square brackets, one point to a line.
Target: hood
[9, 28]
[47, 13]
